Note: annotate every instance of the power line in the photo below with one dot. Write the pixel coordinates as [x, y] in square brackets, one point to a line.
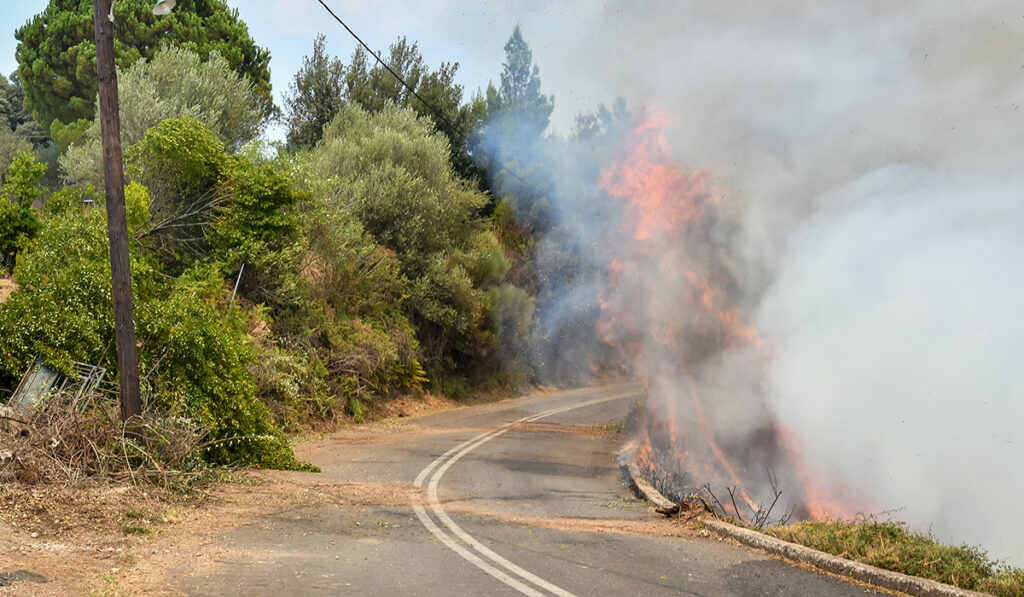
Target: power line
[436, 112]
[444, 119]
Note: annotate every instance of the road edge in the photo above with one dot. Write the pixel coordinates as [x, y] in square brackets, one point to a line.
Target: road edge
[793, 552]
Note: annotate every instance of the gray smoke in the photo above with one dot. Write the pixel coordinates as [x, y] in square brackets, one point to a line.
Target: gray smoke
[871, 155]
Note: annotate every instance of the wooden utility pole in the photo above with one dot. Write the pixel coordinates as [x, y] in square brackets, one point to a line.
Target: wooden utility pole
[117, 221]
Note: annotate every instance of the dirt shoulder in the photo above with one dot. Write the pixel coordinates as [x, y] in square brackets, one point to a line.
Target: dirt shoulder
[99, 539]
[115, 540]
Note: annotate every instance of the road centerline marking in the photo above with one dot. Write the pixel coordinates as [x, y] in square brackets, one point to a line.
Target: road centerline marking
[441, 465]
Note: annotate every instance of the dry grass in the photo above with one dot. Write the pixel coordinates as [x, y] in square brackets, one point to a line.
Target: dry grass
[892, 546]
[7, 287]
[60, 446]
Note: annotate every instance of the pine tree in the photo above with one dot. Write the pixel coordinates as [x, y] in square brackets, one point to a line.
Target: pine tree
[511, 146]
[519, 94]
[57, 54]
[315, 96]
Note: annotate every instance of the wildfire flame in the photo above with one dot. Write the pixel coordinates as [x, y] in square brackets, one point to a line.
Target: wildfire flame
[669, 212]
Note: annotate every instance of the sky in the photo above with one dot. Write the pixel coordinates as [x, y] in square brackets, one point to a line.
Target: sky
[472, 34]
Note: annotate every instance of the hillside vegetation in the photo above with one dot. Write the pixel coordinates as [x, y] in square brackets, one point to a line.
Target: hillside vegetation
[276, 286]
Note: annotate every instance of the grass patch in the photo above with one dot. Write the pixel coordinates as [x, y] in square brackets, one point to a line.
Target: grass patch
[892, 546]
[134, 528]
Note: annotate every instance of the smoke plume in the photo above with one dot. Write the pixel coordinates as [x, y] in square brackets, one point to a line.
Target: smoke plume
[862, 217]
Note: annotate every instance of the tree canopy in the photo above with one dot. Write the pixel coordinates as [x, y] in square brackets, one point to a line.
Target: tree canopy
[324, 84]
[519, 93]
[510, 146]
[392, 171]
[57, 52]
[315, 96]
[175, 83]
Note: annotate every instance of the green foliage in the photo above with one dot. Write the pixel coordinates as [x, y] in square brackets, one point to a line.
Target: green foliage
[69, 135]
[21, 185]
[324, 85]
[12, 109]
[392, 172]
[17, 117]
[176, 84]
[258, 216]
[374, 88]
[348, 310]
[57, 52]
[63, 310]
[67, 198]
[194, 354]
[181, 163]
[179, 156]
[519, 94]
[200, 357]
[891, 546]
[209, 205]
[18, 221]
[10, 146]
[317, 94]
[511, 310]
[292, 383]
[399, 183]
[510, 146]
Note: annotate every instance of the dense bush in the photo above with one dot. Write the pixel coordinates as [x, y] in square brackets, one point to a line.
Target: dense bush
[174, 84]
[393, 173]
[18, 222]
[193, 352]
[10, 146]
[347, 310]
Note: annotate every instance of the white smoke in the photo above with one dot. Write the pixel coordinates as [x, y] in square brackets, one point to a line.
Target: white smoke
[895, 318]
[874, 153]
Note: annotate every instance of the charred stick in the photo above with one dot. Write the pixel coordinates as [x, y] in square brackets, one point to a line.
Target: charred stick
[732, 496]
[769, 512]
[714, 498]
[669, 512]
[784, 519]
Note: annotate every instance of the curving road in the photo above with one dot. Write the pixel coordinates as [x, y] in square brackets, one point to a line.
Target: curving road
[521, 497]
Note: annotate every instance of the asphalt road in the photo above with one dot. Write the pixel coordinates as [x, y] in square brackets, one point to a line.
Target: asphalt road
[486, 507]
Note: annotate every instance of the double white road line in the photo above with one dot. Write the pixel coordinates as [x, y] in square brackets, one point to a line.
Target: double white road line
[462, 542]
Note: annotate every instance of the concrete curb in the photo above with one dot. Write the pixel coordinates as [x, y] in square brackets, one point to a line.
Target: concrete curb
[886, 579]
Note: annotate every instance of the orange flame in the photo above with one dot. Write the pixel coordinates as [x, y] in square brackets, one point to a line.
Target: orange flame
[653, 184]
[666, 207]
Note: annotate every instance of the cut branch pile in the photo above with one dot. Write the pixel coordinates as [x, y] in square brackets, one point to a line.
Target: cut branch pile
[63, 446]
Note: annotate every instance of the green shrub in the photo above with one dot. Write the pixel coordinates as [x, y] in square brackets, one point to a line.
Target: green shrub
[10, 145]
[18, 221]
[174, 84]
[348, 310]
[63, 310]
[194, 354]
[199, 359]
[292, 383]
[392, 171]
